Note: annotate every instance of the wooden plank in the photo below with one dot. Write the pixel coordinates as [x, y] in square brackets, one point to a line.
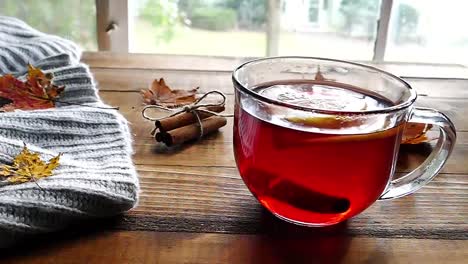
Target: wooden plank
[422, 70]
[130, 104]
[443, 88]
[206, 194]
[455, 109]
[217, 149]
[227, 64]
[161, 61]
[160, 247]
[215, 152]
[212, 218]
[135, 80]
[214, 199]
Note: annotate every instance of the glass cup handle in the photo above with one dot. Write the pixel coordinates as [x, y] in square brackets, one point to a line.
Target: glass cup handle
[423, 174]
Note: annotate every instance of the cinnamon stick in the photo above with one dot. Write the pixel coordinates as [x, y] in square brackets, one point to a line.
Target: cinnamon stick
[159, 137]
[184, 119]
[190, 132]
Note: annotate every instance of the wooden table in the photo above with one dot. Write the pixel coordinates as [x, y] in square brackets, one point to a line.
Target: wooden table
[194, 208]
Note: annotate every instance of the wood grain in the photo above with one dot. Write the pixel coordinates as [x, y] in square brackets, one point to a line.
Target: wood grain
[130, 104]
[442, 88]
[214, 199]
[195, 208]
[149, 153]
[206, 194]
[161, 61]
[227, 64]
[137, 79]
[161, 247]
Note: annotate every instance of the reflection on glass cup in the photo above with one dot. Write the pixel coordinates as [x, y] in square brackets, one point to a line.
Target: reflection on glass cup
[316, 140]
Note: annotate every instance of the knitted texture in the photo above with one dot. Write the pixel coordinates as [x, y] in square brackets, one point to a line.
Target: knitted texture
[96, 176]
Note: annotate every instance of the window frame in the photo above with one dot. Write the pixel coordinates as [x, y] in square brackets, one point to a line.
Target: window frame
[114, 34]
[112, 25]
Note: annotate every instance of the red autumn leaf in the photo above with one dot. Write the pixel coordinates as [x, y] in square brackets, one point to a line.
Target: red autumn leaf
[37, 92]
[161, 94]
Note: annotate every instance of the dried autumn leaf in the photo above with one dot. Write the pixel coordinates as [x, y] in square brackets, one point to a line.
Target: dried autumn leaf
[37, 92]
[415, 133]
[28, 166]
[320, 77]
[161, 94]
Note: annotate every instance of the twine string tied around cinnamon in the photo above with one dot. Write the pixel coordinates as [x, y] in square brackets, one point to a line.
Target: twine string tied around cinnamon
[194, 108]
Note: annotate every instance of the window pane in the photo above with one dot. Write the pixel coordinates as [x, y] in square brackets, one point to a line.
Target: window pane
[344, 29]
[313, 11]
[71, 19]
[428, 31]
[200, 27]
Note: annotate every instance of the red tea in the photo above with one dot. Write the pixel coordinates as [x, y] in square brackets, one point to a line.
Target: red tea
[313, 170]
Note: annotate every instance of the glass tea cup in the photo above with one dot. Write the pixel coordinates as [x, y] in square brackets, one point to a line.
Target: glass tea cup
[316, 140]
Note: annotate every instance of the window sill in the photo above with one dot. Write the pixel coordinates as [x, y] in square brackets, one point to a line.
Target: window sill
[227, 64]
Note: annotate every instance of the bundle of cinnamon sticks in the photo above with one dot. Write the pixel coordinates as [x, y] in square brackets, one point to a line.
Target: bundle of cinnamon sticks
[184, 127]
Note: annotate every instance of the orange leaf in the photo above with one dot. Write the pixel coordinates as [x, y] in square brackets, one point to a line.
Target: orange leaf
[161, 94]
[37, 92]
[415, 133]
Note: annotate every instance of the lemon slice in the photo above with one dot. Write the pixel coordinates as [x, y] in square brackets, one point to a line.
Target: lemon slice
[336, 123]
[330, 122]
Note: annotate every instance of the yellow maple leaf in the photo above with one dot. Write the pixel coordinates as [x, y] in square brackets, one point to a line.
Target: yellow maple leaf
[28, 166]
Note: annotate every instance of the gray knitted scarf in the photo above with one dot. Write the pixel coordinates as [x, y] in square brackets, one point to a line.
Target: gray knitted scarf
[96, 176]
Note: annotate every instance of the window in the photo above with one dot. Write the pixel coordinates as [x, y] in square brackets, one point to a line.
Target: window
[343, 29]
[220, 28]
[313, 11]
[238, 27]
[77, 24]
[428, 31]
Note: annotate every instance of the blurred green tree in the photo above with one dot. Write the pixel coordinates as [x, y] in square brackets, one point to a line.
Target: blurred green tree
[74, 20]
[360, 13]
[407, 24]
[186, 7]
[251, 14]
[163, 15]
